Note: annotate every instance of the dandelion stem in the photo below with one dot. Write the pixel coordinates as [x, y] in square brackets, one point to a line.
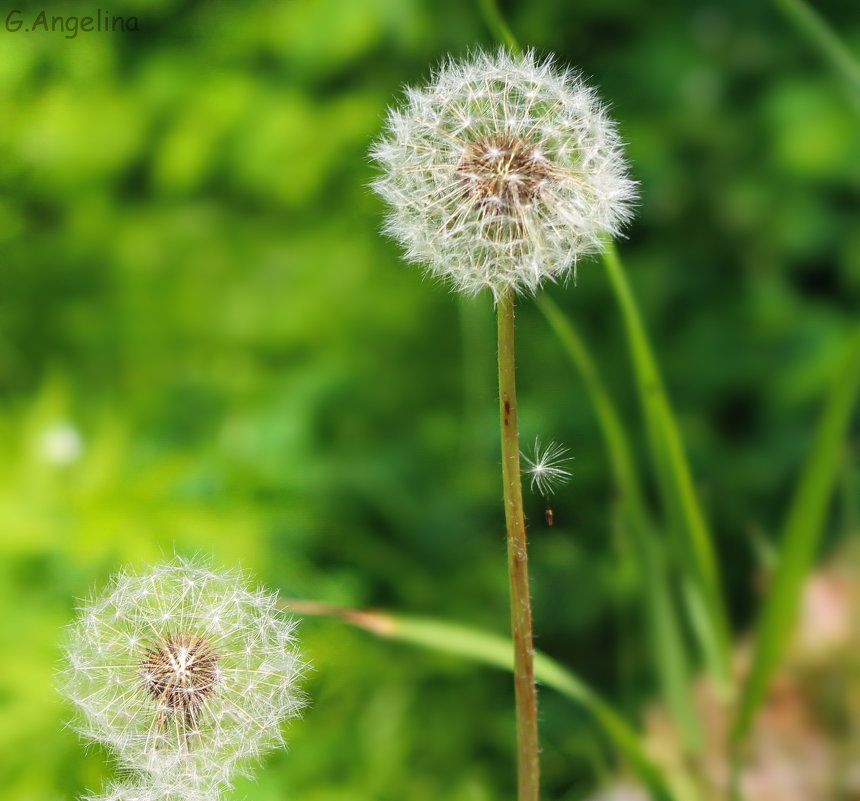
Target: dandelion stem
[518, 573]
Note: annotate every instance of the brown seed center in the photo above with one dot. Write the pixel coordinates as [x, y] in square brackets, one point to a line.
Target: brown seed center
[180, 671]
[503, 173]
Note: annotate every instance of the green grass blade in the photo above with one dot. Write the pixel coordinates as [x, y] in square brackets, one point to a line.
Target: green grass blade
[497, 651]
[498, 25]
[704, 591]
[816, 29]
[802, 530]
[614, 435]
[491, 649]
[668, 642]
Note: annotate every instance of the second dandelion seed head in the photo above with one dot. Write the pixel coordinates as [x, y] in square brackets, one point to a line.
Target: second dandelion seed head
[183, 671]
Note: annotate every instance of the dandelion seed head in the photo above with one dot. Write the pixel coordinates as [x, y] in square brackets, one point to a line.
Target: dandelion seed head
[502, 173]
[545, 467]
[183, 671]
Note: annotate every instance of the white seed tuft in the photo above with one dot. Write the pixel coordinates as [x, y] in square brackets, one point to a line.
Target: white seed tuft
[502, 173]
[545, 467]
[185, 673]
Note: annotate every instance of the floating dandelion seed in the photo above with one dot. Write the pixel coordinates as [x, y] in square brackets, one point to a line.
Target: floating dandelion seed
[185, 672]
[502, 173]
[544, 468]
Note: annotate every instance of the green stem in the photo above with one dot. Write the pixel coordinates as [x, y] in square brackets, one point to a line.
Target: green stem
[528, 769]
[518, 572]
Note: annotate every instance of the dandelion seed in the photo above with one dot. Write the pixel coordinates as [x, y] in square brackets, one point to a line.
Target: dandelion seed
[545, 468]
[502, 173]
[185, 672]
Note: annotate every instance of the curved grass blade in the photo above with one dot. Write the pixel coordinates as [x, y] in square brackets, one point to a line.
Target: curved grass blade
[804, 525]
[669, 648]
[703, 592]
[497, 651]
[617, 441]
[834, 51]
[498, 25]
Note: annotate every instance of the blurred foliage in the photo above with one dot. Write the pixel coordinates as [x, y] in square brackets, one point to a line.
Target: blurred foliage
[205, 346]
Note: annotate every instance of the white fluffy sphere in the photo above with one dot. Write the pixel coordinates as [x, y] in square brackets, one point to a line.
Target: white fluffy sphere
[501, 173]
[185, 672]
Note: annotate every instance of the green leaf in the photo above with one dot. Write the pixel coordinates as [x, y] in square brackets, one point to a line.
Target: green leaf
[802, 531]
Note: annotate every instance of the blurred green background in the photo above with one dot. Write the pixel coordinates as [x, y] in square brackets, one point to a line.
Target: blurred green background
[206, 347]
